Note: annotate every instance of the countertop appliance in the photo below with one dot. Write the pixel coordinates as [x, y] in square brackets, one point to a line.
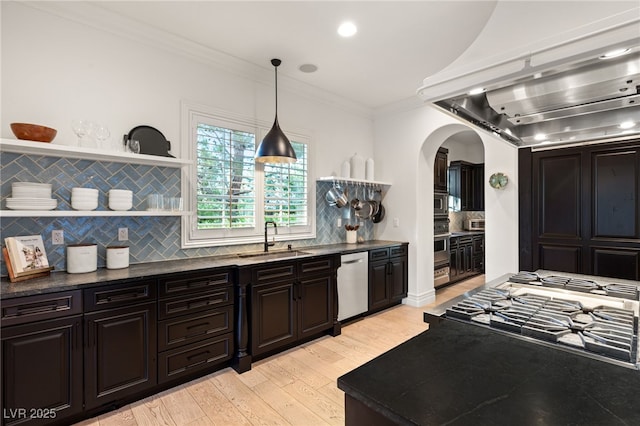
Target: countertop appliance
[594, 316]
[353, 285]
[474, 225]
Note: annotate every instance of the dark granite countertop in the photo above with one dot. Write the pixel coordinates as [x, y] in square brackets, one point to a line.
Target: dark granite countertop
[466, 233]
[459, 374]
[61, 281]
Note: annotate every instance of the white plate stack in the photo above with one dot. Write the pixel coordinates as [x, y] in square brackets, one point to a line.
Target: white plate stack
[31, 196]
[84, 198]
[120, 199]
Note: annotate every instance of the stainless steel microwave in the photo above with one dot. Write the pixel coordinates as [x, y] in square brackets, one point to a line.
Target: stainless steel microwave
[440, 204]
[474, 225]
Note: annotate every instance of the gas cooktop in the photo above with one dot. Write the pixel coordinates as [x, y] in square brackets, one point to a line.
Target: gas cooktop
[575, 313]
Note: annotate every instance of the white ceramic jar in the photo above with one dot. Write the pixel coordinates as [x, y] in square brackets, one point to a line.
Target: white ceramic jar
[82, 258]
[117, 257]
[357, 167]
[368, 169]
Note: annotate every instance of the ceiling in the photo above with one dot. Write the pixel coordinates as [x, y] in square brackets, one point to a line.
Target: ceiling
[400, 46]
[397, 44]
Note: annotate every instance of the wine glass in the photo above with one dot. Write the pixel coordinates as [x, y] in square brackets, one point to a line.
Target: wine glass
[84, 130]
[102, 134]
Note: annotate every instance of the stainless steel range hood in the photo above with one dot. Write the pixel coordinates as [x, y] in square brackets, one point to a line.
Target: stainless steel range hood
[590, 100]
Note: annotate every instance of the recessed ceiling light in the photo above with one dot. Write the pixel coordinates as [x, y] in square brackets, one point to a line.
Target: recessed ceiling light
[308, 68]
[347, 29]
[627, 124]
[477, 91]
[615, 53]
[540, 137]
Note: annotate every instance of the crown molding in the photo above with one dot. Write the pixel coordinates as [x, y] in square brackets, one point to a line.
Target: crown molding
[97, 17]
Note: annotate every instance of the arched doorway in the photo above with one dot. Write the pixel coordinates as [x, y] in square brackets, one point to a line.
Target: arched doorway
[424, 204]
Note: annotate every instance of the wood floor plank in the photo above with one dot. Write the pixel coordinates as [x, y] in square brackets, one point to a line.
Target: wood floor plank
[151, 412]
[287, 405]
[317, 402]
[181, 406]
[219, 410]
[120, 417]
[246, 401]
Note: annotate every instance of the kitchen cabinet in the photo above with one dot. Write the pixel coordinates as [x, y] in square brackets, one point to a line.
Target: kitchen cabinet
[466, 256]
[195, 323]
[580, 211]
[440, 171]
[466, 186]
[292, 301]
[388, 276]
[41, 358]
[120, 358]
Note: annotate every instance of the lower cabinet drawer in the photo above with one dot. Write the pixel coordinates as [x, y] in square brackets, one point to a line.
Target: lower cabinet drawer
[194, 357]
[193, 328]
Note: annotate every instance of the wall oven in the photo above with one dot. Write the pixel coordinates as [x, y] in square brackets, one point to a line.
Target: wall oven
[440, 250]
[440, 203]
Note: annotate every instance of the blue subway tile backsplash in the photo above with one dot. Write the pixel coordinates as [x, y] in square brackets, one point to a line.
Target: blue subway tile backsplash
[151, 238]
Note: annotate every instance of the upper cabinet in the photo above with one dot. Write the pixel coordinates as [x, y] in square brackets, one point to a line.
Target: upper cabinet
[466, 186]
[440, 179]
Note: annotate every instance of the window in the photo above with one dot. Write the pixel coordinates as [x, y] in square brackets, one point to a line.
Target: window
[230, 195]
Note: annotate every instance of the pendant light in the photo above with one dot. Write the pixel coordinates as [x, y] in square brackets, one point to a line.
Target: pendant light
[275, 147]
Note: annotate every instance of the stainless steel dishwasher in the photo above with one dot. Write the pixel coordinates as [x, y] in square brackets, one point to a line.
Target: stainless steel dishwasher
[353, 285]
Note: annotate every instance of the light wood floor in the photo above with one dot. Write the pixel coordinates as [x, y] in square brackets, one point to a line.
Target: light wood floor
[296, 387]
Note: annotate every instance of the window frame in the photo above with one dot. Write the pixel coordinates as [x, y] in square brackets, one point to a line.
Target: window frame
[191, 237]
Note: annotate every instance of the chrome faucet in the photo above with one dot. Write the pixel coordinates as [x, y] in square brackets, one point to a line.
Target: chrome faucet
[275, 227]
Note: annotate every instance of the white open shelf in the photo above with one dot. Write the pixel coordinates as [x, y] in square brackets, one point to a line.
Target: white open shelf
[65, 151]
[349, 181]
[87, 213]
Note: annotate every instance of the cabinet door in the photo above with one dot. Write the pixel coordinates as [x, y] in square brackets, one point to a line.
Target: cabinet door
[42, 370]
[440, 180]
[120, 359]
[378, 289]
[466, 188]
[467, 256]
[478, 188]
[454, 259]
[398, 278]
[315, 305]
[273, 322]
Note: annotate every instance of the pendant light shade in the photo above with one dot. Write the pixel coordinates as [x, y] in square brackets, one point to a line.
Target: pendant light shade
[275, 147]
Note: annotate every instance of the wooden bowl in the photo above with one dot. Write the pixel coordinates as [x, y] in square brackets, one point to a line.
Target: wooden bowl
[33, 132]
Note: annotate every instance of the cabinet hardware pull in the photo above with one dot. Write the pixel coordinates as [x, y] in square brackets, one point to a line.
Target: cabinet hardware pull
[197, 325]
[197, 284]
[126, 296]
[190, 357]
[37, 309]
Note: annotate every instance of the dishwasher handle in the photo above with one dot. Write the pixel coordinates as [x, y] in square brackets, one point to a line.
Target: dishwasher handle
[349, 262]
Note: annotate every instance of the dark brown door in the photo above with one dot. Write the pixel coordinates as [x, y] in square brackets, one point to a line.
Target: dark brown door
[440, 178]
[273, 316]
[42, 370]
[315, 305]
[584, 206]
[120, 359]
[398, 277]
[378, 290]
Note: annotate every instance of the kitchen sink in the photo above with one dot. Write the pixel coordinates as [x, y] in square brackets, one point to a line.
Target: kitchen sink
[273, 254]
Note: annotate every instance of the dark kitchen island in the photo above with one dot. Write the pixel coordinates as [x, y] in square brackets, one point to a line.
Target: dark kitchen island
[459, 374]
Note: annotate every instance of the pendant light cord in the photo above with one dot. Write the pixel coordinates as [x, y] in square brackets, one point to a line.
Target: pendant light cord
[276, 63]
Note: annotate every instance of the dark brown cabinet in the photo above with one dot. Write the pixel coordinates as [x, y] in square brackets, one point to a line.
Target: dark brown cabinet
[41, 358]
[290, 302]
[466, 186]
[195, 323]
[466, 256]
[120, 338]
[440, 171]
[388, 276]
[580, 211]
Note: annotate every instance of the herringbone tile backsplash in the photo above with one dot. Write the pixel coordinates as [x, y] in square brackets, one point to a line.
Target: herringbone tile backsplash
[151, 238]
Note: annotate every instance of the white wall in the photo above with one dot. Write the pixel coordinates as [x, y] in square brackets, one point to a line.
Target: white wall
[55, 70]
[417, 134]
